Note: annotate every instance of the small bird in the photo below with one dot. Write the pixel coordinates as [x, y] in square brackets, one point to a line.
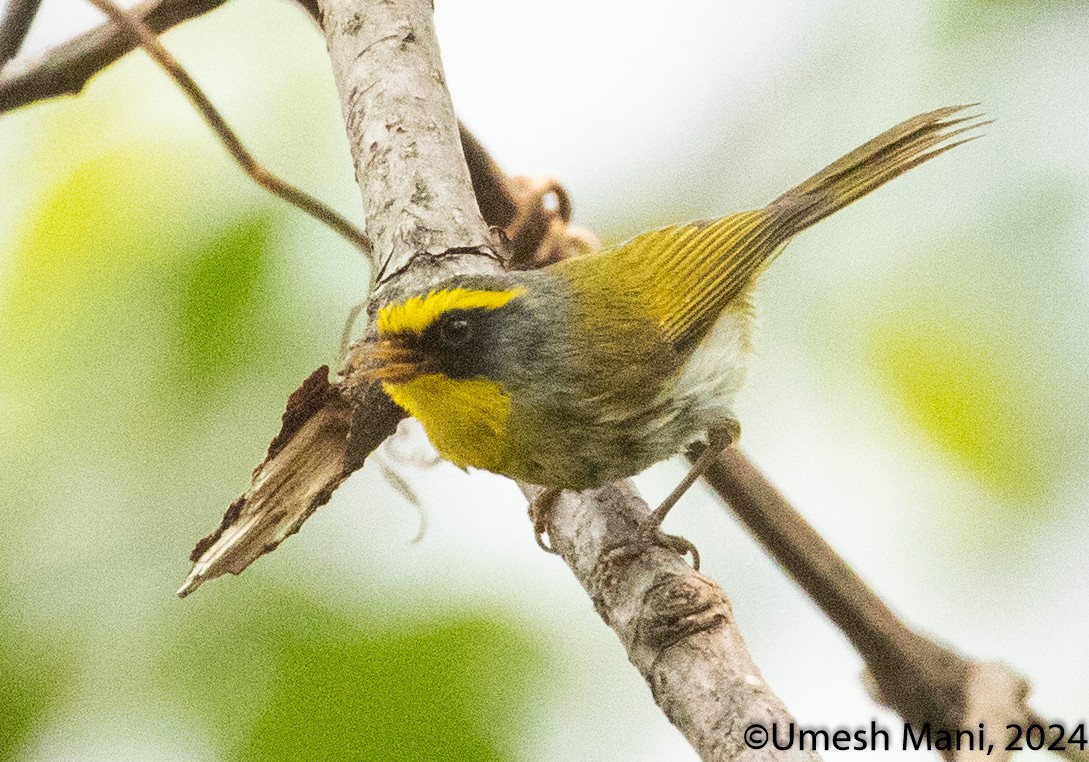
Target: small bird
[598, 366]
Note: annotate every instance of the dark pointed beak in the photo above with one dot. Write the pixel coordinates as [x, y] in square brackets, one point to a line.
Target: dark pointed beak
[392, 361]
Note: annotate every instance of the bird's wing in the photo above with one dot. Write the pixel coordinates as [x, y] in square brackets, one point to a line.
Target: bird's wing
[688, 274]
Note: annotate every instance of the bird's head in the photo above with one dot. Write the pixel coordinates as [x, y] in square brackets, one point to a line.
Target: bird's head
[440, 355]
[451, 330]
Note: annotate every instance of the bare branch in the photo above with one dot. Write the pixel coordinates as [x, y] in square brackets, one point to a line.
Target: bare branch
[215, 120]
[920, 679]
[14, 24]
[677, 626]
[65, 68]
[419, 210]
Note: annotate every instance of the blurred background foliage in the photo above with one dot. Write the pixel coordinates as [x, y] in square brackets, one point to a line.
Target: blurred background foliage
[919, 389]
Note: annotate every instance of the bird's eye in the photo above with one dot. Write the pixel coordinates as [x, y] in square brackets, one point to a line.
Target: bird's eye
[455, 333]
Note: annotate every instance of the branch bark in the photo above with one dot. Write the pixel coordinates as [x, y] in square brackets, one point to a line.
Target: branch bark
[675, 623]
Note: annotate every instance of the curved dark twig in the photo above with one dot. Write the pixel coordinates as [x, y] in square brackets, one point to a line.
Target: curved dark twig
[274, 184]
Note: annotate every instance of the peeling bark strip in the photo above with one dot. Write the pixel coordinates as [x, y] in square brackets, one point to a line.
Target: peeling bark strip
[299, 475]
[314, 394]
[303, 404]
[327, 433]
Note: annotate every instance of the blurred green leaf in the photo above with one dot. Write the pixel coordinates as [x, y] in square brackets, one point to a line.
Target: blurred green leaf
[1039, 6]
[75, 283]
[31, 681]
[980, 351]
[217, 294]
[976, 393]
[285, 680]
[960, 19]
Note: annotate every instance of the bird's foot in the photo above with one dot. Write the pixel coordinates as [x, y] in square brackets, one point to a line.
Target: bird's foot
[540, 513]
[649, 534]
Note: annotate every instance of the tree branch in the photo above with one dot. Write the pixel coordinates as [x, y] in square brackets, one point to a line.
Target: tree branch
[14, 24]
[676, 625]
[64, 69]
[418, 208]
[923, 681]
[129, 23]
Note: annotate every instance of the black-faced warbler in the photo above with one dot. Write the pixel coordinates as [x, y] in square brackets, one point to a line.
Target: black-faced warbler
[596, 367]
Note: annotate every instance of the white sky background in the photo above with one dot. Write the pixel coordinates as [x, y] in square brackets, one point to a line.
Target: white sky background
[636, 107]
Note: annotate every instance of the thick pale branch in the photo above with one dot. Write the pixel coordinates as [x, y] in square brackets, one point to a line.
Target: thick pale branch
[423, 213]
[677, 626]
[417, 193]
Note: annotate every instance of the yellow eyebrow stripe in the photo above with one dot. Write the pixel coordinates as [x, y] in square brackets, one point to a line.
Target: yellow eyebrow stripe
[419, 312]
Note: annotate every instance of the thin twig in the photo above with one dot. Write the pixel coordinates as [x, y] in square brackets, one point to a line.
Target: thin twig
[65, 68]
[14, 24]
[230, 139]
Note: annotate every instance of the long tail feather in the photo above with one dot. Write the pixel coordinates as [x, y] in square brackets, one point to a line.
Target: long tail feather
[871, 165]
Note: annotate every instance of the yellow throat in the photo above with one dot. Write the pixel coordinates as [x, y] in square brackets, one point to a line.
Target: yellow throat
[466, 420]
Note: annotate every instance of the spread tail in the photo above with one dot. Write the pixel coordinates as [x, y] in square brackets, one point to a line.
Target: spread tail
[871, 165]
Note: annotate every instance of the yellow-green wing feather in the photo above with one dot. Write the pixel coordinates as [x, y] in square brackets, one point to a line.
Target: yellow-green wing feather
[691, 272]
